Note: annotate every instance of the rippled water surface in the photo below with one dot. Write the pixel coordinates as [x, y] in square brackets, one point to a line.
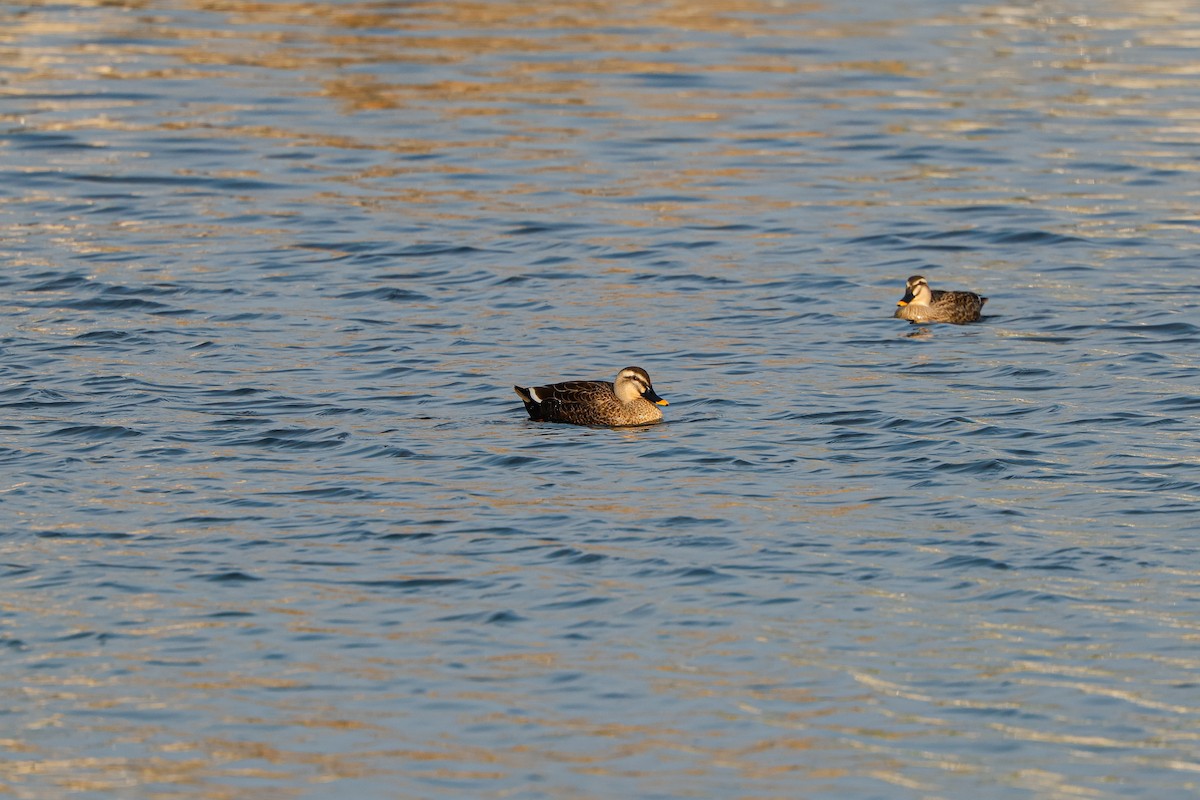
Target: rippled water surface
[274, 524]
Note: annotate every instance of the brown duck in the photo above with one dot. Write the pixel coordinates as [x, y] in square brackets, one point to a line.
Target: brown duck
[630, 400]
[922, 304]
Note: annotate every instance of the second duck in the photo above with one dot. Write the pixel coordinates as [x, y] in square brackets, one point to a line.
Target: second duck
[922, 304]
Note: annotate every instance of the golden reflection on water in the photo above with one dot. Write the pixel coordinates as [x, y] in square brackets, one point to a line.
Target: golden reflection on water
[503, 60]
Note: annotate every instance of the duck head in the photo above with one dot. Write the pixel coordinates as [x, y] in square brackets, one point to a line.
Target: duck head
[634, 382]
[916, 292]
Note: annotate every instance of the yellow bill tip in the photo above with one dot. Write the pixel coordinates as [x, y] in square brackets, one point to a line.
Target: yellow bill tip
[661, 402]
[901, 303]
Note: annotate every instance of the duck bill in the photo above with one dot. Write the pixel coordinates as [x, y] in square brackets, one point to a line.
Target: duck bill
[903, 301]
[653, 397]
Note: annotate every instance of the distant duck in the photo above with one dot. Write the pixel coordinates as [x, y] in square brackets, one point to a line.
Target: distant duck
[922, 304]
[630, 401]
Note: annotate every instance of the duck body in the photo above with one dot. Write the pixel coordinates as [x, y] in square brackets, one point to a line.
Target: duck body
[630, 400]
[922, 304]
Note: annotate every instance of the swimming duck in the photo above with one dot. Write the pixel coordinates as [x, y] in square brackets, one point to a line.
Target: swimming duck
[922, 304]
[631, 400]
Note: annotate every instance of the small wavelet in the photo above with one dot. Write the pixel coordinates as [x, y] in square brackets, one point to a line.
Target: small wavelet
[77, 534]
[57, 282]
[101, 303]
[293, 439]
[389, 294]
[574, 556]
[230, 576]
[1186, 331]
[970, 562]
[406, 584]
[93, 432]
[1182, 403]
[502, 617]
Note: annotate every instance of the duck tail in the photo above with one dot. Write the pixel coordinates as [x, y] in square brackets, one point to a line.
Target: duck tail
[533, 406]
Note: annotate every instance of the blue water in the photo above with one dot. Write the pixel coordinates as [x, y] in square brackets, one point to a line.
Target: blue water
[274, 524]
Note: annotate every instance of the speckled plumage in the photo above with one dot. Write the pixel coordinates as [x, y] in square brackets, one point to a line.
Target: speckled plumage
[922, 304]
[631, 400]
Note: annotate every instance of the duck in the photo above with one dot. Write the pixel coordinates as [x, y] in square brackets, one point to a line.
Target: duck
[629, 400]
[922, 304]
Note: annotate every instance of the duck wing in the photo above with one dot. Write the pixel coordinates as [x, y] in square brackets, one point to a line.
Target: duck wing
[564, 400]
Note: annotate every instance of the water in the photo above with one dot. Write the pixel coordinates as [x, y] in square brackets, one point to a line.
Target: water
[274, 523]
